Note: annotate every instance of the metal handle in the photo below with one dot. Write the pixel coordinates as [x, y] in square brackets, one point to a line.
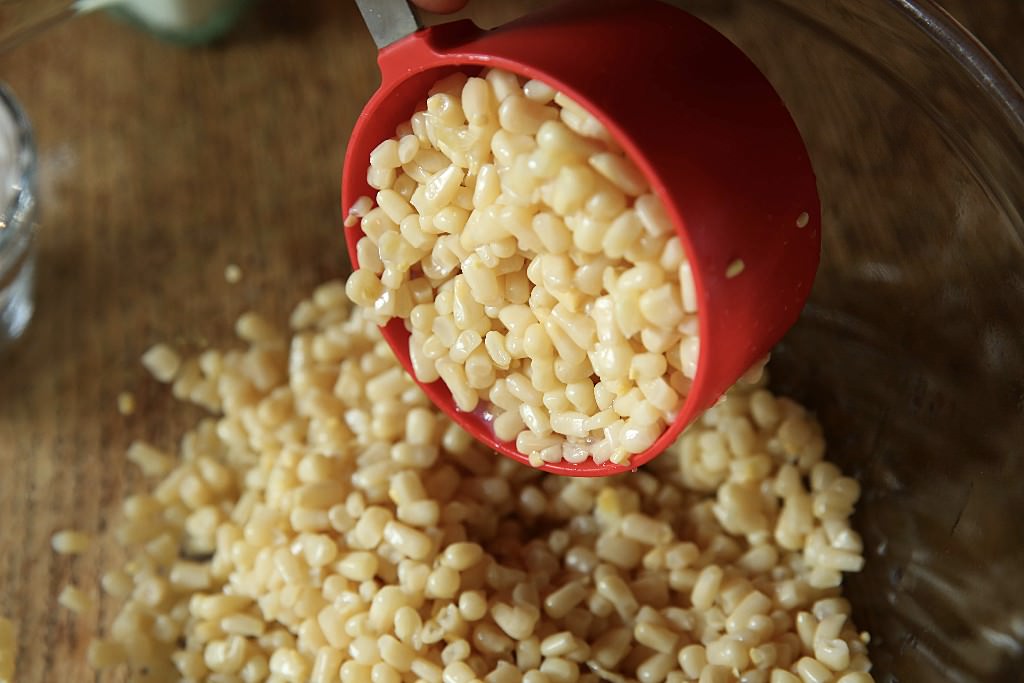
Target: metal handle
[388, 20]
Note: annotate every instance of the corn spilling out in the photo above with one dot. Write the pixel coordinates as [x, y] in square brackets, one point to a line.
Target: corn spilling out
[70, 542]
[325, 523]
[538, 274]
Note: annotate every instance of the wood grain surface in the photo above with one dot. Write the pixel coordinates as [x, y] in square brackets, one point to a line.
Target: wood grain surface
[159, 166]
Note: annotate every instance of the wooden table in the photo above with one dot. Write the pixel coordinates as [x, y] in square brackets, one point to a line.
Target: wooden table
[158, 167]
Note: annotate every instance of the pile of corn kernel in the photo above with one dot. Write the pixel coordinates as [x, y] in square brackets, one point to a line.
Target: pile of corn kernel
[538, 274]
[327, 524]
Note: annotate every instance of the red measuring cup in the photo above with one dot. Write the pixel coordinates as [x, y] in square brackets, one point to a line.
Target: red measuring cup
[713, 137]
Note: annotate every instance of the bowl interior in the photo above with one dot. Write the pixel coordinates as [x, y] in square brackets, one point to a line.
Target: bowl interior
[911, 349]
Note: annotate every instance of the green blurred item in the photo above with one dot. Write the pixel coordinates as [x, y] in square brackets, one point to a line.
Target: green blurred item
[189, 22]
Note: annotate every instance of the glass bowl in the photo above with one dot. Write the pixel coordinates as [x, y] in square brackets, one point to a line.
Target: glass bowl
[912, 346]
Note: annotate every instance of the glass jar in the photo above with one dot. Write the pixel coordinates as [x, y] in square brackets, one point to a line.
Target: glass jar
[912, 346]
[17, 222]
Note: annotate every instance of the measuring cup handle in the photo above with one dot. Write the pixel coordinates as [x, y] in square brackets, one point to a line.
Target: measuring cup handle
[404, 45]
[388, 20]
[425, 48]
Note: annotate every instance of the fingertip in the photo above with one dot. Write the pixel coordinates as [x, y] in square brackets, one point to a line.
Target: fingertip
[440, 6]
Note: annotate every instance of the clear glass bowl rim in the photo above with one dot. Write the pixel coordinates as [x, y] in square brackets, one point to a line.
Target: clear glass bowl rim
[988, 134]
[13, 214]
[976, 59]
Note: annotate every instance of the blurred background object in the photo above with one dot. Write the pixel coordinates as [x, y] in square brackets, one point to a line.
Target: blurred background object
[17, 220]
[160, 167]
[191, 22]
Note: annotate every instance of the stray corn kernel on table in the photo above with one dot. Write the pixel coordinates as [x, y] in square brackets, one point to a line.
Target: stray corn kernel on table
[160, 169]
